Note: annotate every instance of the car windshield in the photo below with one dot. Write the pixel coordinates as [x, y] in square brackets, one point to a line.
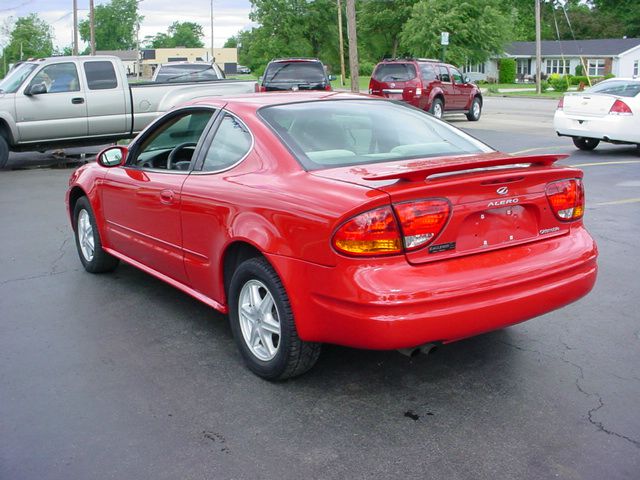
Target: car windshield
[395, 72]
[14, 79]
[621, 88]
[338, 133]
[294, 72]
[183, 73]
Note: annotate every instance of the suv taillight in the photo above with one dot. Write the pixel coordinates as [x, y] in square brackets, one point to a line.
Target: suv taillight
[377, 232]
[566, 198]
[620, 108]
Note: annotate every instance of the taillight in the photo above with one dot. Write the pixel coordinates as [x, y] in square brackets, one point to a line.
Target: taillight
[620, 108]
[422, 221]
[566, 198]
[371, 233]
[327, 87]
[377, 232]
[418, 91]
[560, 104]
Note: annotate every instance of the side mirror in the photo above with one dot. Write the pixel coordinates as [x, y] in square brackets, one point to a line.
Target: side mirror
[466, 79]
[112, 156]
[35, 89]
[332, 78]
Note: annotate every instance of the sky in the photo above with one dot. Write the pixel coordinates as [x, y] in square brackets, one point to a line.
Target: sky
[229, 16]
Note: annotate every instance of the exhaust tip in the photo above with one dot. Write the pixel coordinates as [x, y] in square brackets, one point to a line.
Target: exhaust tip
[425, 349]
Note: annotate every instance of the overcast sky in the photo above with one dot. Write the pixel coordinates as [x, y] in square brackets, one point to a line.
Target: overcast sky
[229, 16]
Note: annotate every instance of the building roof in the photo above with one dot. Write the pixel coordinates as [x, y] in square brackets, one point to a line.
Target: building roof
[608, 47]
[124, 55]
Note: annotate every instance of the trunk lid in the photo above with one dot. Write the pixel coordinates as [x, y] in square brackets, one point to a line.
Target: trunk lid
[588, 104]
[497, 200]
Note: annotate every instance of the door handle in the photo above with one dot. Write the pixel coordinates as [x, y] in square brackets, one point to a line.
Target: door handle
[77, 100]
[166, 196]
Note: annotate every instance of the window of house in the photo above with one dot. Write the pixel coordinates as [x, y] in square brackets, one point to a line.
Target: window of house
[596, 67]
[635, 68]
[557, 65]
[523, 66]
[474, 67]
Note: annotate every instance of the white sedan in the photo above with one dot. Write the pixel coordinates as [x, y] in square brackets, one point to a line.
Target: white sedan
[608, 112]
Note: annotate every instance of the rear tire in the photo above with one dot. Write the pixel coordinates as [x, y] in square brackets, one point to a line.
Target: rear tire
[437, 108]
[4, 152]
[585, 143]
[475, 111]
[94, 259]
[263, 325]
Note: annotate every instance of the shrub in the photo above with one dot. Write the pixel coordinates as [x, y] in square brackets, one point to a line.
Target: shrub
[544, 85]
[608, 76]
[559, 83]
[366, 68]
[493, 88]
[579, 71]
[507, 72]
[579, 79]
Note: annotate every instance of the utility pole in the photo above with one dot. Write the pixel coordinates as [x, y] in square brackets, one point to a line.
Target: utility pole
[353, 45]
[213, 56]
[538, 49]
[342, 70]
[92, 26]
[75, 27]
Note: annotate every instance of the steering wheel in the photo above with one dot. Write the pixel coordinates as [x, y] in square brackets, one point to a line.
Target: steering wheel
[174, 152]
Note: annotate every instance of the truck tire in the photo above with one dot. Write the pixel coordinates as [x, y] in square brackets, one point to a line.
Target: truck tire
[585, 143]
[476, 109]
[437, 108]
[4, 152]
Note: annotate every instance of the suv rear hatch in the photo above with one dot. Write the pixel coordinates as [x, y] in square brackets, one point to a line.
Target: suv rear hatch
[295, 75]
[495, 200]
[397, 81]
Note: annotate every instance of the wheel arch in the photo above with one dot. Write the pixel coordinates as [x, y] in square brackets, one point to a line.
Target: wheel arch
[75, 194]
[6, 131]
[234, 254]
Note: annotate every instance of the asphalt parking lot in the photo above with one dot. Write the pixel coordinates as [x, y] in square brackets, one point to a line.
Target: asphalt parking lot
[121, 376]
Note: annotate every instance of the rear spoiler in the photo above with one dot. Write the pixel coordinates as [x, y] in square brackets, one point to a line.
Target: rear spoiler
[421, 170]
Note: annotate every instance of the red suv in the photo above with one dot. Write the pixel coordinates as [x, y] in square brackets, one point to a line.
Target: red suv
[427, 84]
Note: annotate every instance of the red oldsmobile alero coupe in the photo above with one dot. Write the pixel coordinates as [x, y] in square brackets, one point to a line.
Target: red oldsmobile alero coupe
[329, 217]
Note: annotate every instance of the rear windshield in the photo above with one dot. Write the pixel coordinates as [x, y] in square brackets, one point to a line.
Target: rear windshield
[395, 72]
[186, 73]
[620, 88]
[294, 72]
[337, 133]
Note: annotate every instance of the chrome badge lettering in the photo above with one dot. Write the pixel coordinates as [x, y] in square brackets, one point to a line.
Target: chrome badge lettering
[500, 203]
[549, 230]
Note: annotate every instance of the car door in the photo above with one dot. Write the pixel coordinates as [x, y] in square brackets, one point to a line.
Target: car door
[142, 199]
[60, 111]
[462, 90]
[447, 87]
[106, 99]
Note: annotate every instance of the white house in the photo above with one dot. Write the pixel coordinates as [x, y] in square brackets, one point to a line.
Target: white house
[619, 56]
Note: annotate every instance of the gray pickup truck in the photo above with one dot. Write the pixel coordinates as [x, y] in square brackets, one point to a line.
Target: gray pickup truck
[73, 101]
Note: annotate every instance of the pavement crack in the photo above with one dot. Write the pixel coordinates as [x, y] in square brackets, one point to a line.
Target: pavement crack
[34, 277]
[61, 252]
[600, 426]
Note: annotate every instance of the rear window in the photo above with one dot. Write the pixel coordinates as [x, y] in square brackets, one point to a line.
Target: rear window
[339, 133]
[395, 72]
[100, 75]
[620, 88]
[294, 72]
[186, 73]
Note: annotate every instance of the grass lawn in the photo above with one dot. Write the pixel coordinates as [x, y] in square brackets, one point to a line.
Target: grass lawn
[363, 83]
[532, 94]
[508, 85]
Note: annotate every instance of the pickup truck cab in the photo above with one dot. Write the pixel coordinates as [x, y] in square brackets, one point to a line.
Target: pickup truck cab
[87, 100]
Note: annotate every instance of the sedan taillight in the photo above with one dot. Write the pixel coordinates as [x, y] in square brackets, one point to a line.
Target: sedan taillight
[414, 225]
[566, 198]
[620, 108]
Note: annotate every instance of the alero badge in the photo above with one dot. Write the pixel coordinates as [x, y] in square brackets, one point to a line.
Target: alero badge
[502, 191]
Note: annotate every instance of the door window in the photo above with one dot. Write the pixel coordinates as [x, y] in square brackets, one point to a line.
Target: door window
[444, 74]
[170, 146]
[100, 75]
[457, 76]
[61, 77]
[230, 145]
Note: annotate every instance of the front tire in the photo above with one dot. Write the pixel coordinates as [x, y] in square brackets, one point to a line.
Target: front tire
[4, 152]
[263, 325]
[437, 108]
[585, 143]
[94, 259]
[475, 111]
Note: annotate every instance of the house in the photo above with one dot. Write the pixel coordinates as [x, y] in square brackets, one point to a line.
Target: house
[618, 56]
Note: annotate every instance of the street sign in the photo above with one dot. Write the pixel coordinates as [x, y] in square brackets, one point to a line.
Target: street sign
[444, 38]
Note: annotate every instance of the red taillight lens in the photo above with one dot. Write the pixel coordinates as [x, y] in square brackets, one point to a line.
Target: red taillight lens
[328, 87]
[371, 233]
[620, 108]
[560, 104]
[422, 221]
[566, 198]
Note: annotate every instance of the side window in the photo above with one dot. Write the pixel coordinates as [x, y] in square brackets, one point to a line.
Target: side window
[457, 76]
[100, 75]
[171, 145]
[61, 77]
[230, 144]
[428, 71]
[444, 74]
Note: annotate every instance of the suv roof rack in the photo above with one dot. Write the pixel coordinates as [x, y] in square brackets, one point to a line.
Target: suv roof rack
[410, 59]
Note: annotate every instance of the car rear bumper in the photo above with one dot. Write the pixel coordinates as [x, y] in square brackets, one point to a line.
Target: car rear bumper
[616, 128]
[389, 304]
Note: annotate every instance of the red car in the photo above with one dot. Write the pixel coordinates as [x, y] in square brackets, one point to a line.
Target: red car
[321, 217]
[430, 85]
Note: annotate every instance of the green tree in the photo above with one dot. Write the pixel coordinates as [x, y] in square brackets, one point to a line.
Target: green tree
[29, 36]
[477, 29]
[115, 25]
[626, 12]
[379, 25]
[232, 42]
[179, 34]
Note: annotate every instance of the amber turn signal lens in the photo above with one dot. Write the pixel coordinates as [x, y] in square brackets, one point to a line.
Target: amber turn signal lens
[566, 198]
[370, 233]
